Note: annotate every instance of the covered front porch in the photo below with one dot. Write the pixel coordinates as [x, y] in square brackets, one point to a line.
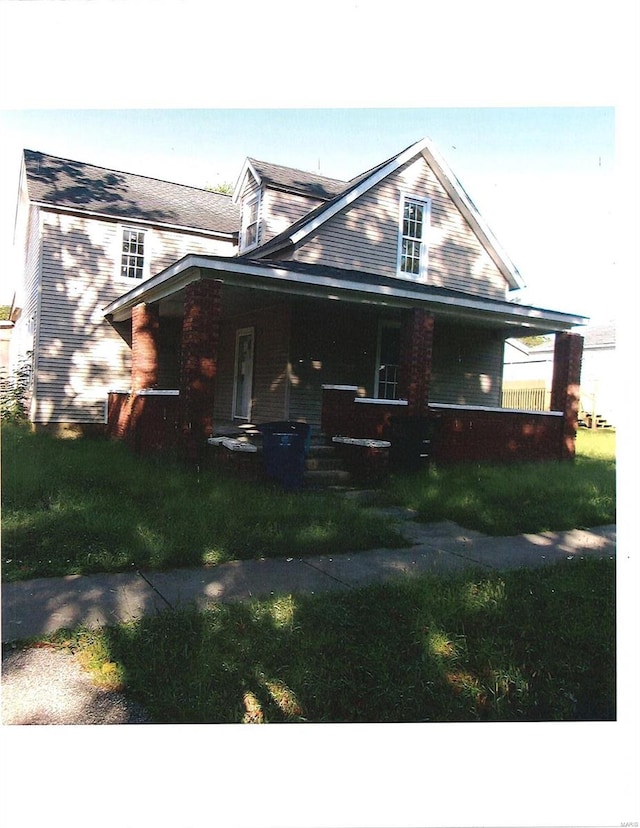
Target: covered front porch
[218, 345]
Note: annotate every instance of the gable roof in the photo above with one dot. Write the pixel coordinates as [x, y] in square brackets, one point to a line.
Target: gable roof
[74, 185]
[356, 187]
[292, 180]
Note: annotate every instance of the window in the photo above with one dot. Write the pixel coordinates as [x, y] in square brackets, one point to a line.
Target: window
[413, 234]
[388, 361]
[250, 213]
[132, 262]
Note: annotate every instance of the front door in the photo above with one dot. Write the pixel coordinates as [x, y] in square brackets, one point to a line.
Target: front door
[243, 379]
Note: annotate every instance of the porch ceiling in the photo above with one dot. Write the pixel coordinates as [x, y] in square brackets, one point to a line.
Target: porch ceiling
[298, 279]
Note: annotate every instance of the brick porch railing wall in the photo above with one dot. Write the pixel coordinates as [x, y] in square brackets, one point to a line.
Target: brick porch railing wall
[461, 433]
[346, 415]
[464, 434]
[148, 418]
[147, 421]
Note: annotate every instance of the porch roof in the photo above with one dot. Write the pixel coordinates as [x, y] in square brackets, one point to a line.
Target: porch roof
[323, 281]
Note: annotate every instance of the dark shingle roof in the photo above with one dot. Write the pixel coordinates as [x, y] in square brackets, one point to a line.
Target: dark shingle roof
[297, 181]
[60, 182]
[281, 238]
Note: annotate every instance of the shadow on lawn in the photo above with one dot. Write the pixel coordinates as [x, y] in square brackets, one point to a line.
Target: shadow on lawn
[333, 658]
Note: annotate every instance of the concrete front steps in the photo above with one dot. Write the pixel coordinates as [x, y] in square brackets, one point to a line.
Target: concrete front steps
[241, 453]
[323, 467]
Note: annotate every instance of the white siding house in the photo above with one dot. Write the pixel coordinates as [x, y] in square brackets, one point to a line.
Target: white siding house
[320, 279]
[88, 235]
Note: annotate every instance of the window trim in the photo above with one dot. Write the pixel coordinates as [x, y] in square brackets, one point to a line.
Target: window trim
[425, 202]
[254, 198]
[146, 235]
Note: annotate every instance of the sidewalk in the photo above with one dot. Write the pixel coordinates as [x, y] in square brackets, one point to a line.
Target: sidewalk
[44, 605]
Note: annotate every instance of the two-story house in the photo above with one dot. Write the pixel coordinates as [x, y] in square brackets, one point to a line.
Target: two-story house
[339, 303]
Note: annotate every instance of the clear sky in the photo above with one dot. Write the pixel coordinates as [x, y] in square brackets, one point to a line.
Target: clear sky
[541, 177]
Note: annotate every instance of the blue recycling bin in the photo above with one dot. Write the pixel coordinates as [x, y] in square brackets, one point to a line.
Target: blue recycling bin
[284, 451]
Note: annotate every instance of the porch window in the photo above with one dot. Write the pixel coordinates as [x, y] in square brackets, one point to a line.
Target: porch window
[132, 263]
[414, 221]
[250, 214]
[388, 361]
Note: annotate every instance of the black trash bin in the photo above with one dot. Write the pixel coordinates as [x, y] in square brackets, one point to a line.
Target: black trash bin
[411, 443]
[284, 451]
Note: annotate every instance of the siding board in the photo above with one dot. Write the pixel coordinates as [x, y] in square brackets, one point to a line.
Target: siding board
[467, 366]
[280, 210]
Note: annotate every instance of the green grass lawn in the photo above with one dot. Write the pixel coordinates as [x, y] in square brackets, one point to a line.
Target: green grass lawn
[519, 497]
[86, 506]
[528, 645]
[92, 506]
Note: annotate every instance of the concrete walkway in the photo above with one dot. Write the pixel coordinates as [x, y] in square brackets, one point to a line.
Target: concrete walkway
[44, 605]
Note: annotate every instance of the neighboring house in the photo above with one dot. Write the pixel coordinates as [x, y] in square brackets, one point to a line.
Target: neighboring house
[528, 373]
[345, 303]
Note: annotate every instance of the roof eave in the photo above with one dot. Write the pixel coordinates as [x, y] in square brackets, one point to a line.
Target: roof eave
[355, 192]
[276, 278]
[44, 205]
[246, 167]
[461, 199]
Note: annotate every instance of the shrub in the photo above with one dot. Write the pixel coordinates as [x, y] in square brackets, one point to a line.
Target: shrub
[13, 392]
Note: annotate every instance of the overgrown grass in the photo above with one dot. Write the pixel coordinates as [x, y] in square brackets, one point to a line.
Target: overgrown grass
[519, 497]
[91, 506]
[83, 506]
[536, 645]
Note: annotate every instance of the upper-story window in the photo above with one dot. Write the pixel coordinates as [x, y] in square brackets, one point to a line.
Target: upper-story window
[414, 223]
[132, 263]
[250, 218]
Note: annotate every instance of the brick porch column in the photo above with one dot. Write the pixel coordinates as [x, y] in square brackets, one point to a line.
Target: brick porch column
[565, 387]
[199, 361]
[145, 331]
[415, 361]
